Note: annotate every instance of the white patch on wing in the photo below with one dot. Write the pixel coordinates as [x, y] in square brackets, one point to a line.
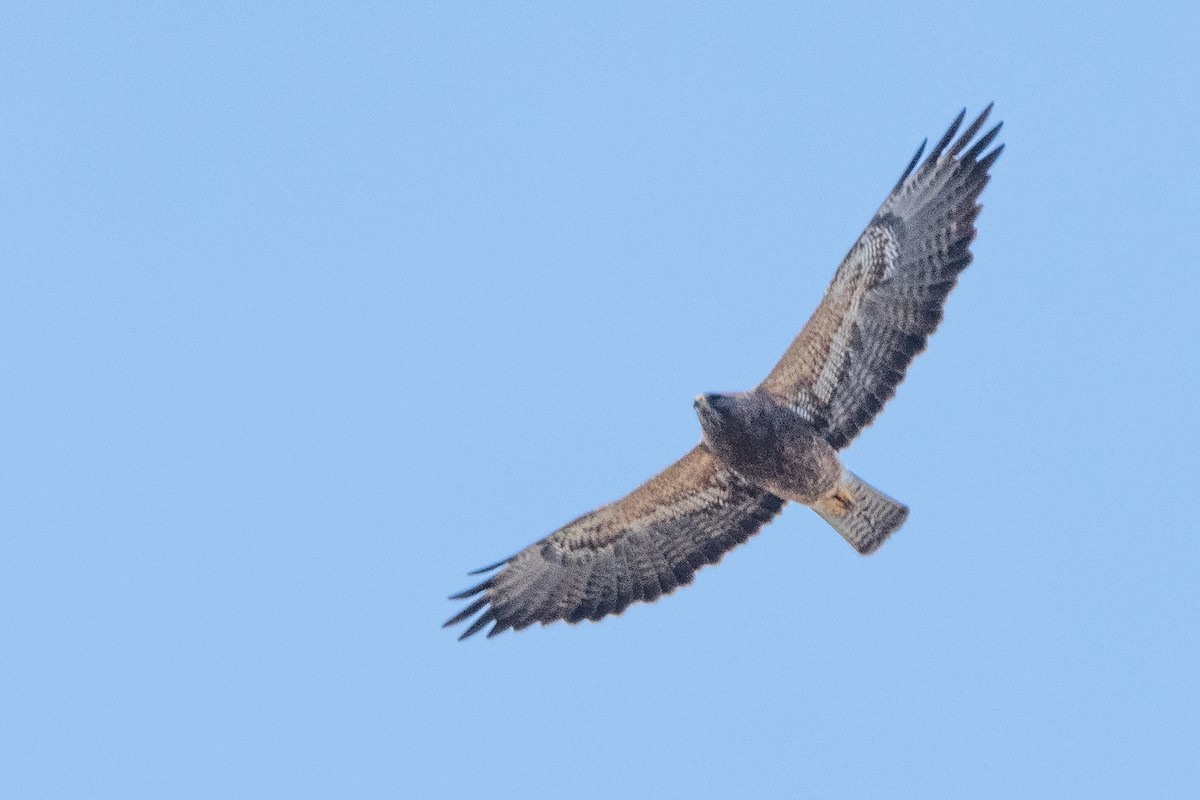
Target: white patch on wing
[891, 254]
[702, 500]
[879, 241]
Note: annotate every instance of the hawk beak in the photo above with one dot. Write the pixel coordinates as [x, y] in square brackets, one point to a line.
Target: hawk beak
[712, 406]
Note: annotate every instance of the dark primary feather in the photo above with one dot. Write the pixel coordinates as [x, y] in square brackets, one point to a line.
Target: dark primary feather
[908, 170]
[887, 296]
[636, 549]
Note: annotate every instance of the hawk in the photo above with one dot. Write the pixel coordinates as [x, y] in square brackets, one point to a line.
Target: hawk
[780, 441]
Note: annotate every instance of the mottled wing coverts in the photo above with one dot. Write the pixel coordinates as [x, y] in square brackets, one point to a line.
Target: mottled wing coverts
[638, 548]
[887, 296]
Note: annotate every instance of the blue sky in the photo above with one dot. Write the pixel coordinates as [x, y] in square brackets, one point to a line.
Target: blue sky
[307, 310]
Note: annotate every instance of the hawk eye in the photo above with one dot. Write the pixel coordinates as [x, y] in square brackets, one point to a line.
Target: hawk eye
[717, 402]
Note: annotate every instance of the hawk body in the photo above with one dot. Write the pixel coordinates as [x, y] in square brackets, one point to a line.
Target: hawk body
[779, 441]
[769, 444]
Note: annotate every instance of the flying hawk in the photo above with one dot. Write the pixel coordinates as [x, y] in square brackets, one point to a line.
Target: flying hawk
[779, 441]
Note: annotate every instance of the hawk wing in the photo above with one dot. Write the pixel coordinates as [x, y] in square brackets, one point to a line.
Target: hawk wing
[887, 296]
[638, 548]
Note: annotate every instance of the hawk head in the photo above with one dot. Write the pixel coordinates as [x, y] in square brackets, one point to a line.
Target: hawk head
[728, 417]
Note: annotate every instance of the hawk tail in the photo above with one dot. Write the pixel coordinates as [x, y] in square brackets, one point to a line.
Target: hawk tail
[862, 514]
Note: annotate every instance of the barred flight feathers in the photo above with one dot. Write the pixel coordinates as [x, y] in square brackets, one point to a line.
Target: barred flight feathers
[887, 296]
[636, 549]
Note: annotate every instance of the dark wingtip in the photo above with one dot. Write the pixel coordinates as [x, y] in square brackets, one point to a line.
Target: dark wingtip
[969, 133]
[983, 142]
[491, 567]
[466, 612]
[476, 626]
[476, 589]
[911, 164]
[936, 152]
[987, 161]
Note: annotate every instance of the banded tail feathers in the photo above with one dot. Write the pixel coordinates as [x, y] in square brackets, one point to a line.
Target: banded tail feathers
[862, 514]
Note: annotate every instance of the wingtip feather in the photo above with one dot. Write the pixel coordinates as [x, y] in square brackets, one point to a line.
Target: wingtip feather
[476, 626]
[911, 164]
[466, 612]
[986, 162]
[474, 590]
[491, 567]
[969, 133]
[947, 137]
[983, 142]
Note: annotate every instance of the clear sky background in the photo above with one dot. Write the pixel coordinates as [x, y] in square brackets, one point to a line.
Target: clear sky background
[305, 310]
